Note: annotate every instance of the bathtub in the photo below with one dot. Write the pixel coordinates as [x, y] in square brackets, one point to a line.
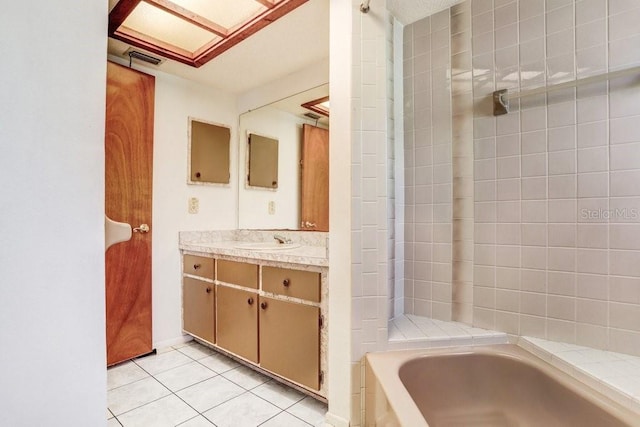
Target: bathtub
[498, 385]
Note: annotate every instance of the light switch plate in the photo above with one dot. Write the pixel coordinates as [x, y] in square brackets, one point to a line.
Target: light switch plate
[194, 205]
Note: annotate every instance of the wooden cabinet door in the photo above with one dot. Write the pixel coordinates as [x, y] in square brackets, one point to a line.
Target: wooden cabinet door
[314, 203]
[237, 321]
[290, 340]
[198, 308]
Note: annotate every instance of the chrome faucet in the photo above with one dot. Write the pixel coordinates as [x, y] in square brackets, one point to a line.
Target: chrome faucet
[281, 239]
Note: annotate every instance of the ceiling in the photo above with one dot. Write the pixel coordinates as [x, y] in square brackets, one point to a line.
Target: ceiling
[293, 42]
[409, 11]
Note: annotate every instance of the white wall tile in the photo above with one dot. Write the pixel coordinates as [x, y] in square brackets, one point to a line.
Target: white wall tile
[624, 25]
[593, 185]
[589, 10]
[593, 159]
[625, 156]
[562, 187]
[625, 183]
[592, 311]
[562, 162]
[592, 134]
[534, 142]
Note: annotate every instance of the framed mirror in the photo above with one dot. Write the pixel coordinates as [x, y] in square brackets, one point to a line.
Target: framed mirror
[209, 153]
[282, 208]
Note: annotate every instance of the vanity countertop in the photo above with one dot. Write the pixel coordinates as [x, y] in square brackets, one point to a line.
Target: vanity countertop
[308, 250]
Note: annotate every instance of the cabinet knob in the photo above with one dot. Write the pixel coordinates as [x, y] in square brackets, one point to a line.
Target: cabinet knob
[250, 301]
[196, 266]
[263, 305]
[198, 174]
[209, 289]
[285, 283]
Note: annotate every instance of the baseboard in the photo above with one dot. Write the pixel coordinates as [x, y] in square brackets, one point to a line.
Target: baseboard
[332, 420]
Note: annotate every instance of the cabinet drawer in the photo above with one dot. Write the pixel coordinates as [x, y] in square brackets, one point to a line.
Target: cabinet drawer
[238, 273]
[198, 266]
[292, 283]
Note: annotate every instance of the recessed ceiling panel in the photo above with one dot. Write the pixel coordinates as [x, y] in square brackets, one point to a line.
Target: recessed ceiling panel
[154, 22]
[193, 31]
[226, 13]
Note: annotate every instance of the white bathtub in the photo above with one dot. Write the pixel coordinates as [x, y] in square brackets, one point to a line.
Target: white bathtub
[498, 385]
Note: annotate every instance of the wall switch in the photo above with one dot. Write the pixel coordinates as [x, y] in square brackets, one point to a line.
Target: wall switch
[194, 205]
[272, 207]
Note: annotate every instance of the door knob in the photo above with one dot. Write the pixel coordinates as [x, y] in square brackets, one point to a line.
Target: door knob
[144, 228]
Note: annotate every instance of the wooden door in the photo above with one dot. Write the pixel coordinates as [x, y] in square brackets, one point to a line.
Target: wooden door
[315, 179]
[290, 340]
[128, 166]
[237, 321]
[198, 308]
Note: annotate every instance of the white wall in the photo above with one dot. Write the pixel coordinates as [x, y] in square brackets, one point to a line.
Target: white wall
[253, 203]
[340, 391]
[52, 359]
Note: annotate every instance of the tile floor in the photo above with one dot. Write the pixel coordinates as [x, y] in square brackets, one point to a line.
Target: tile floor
[190, 385]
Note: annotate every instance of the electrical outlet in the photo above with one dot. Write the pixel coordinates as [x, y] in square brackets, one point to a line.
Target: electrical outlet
[272, 207]
[194, 205]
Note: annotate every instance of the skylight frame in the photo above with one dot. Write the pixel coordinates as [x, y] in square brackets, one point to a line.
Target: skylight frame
[318, 106]
[229, 36]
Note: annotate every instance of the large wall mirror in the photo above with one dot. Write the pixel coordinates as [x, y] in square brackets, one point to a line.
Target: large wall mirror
[302, 193]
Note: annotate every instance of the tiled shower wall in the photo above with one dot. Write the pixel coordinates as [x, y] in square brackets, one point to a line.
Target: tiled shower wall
[557, 180]
[427, 167]
[372, 186]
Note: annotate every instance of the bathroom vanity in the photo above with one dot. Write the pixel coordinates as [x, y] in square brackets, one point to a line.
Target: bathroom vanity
[261, 300]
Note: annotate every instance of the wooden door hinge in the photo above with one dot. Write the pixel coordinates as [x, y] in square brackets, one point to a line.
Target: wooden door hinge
[321, 377]
[321, 321]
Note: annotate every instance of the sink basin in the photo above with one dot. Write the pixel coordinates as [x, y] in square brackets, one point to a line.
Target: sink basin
[266, 246]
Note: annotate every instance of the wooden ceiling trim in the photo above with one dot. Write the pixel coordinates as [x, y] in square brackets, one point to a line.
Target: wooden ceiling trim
[313, 106]
[267, 3]
[120, 12]
[190, 17]
[151, 44]
[211, 50]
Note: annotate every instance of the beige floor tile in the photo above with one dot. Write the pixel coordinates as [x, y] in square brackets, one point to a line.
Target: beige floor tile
[166, 412]
[310, 410]
[212, 392]
[246, 410]
[284, 419]
[130, 396]
[198, 421]
[219, 363]
[163, 361]
[195, 351]
[184, 376]
[278, 394]
[125, 373]
[245, 377]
